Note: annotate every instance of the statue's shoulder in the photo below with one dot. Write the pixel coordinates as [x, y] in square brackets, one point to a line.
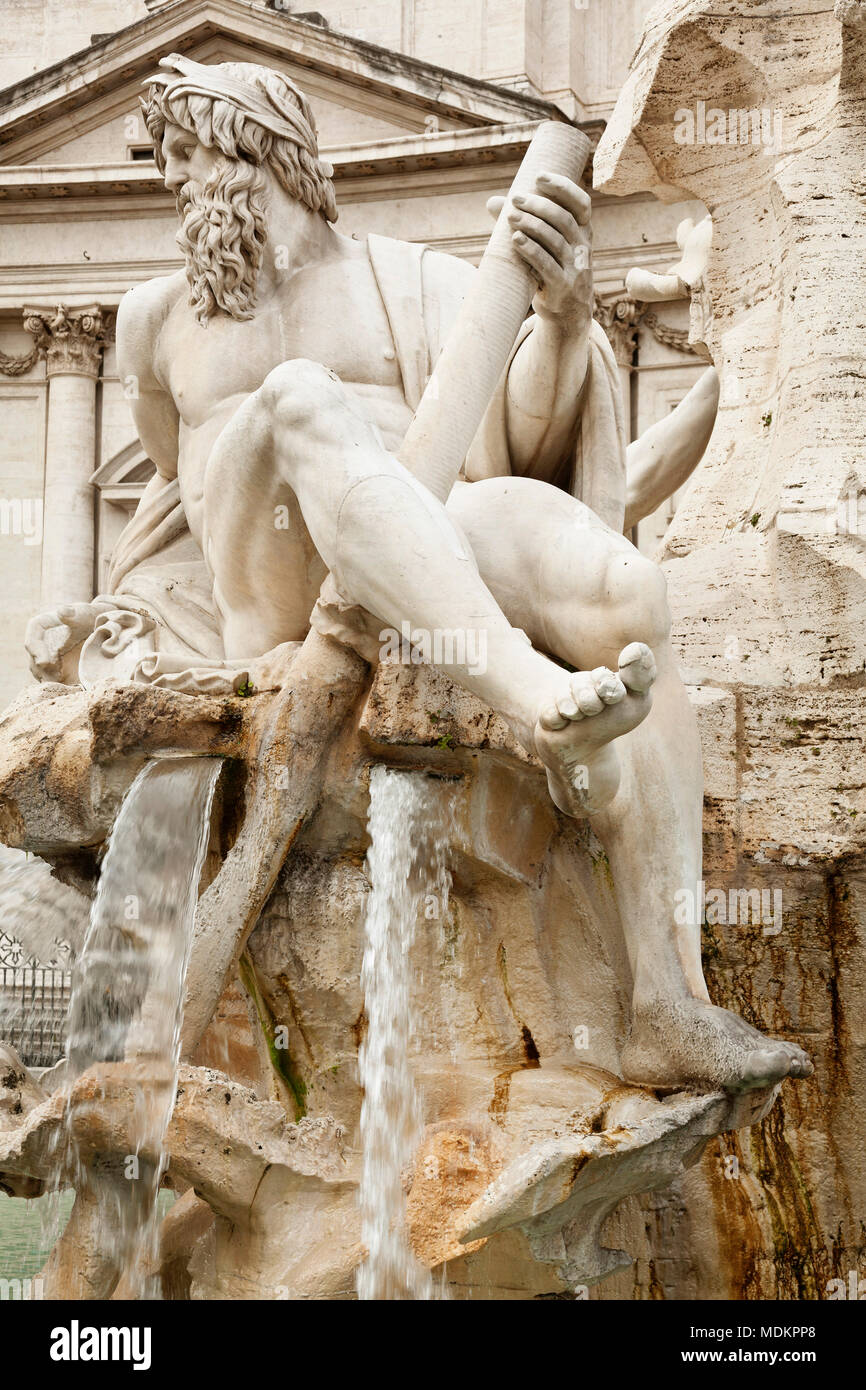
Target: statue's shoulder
[140, 316]
[442, 271]
[144, 308]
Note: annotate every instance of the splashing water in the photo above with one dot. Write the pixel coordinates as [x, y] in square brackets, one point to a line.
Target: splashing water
[127, 997]
[408, 825]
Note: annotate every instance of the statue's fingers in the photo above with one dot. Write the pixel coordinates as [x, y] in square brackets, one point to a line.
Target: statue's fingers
[551, 212]
[565, 191]
[546, 236]
[43, 656]
[495, 205]
[650, 287]
[78, 617]
[684, 231]
[540, 261]
[35, 634]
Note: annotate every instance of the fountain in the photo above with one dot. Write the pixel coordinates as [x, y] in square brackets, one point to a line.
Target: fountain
[355, 1105]
[407, 865]
[127, 997]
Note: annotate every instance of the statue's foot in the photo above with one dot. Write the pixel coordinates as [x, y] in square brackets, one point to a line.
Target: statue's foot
[573, 736]
[690, 1042]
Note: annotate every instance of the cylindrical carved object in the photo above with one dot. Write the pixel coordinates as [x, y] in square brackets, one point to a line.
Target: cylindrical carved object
[474, 357]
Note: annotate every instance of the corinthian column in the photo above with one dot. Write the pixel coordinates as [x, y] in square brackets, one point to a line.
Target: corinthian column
[71, 342]
[620, 318]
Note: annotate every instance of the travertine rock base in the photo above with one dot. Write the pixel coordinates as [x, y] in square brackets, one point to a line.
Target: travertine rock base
[521, 1005]
[766, 569]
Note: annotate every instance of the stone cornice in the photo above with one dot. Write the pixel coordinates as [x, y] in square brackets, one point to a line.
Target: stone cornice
[415, 160]
[121, 61]
[478, 147]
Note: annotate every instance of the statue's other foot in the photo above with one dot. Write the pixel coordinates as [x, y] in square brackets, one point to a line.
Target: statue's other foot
[690, 1042]
[573, 735]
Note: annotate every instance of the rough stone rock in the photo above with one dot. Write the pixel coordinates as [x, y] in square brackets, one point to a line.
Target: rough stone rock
[67, 756]
[521, 999]
[767, 583]
[19, 1095]
[520, 992]
[285, 1208]
[274, 1211]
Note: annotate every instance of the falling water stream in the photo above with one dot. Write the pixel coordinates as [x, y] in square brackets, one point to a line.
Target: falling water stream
[408, 826]
[128, 990]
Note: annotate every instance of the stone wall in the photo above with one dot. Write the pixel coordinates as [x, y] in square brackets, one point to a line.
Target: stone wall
[766, 573]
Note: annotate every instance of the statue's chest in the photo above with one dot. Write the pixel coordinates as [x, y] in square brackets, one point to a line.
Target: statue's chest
[345, 329]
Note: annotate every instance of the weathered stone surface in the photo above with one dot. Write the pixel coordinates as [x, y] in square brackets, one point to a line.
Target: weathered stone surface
[67, 756]
[281, 1193]
[520, 985]
[521, 1000]
[765, 568]
[19, 1095]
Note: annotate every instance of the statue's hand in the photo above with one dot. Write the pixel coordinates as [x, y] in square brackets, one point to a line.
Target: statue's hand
[52, 634]
[652, 287]
[551, 232]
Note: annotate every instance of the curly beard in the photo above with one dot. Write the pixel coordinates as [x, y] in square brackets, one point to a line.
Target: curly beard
[222, 237]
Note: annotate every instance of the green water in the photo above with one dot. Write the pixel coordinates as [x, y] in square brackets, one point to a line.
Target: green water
[23, 1248]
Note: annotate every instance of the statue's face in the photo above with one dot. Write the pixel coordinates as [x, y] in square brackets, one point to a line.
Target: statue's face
[222, 204]
[185, 159]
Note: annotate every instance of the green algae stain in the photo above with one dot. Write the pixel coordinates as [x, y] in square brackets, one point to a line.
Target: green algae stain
[281, 1058]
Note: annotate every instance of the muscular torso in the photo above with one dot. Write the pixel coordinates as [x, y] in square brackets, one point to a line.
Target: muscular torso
[332, 314]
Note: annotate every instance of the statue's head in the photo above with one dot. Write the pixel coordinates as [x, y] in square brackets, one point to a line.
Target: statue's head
[222, 135]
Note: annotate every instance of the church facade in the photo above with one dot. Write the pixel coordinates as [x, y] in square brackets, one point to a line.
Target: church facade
[424, 108]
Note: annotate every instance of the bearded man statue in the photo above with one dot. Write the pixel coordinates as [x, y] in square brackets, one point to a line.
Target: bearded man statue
[273, 381]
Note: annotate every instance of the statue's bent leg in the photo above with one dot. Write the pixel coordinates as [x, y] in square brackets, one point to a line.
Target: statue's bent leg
[581, 591]
[393, 549]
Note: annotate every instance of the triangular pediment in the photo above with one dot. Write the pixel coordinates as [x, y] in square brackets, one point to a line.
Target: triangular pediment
[127, 470]
[84, 110]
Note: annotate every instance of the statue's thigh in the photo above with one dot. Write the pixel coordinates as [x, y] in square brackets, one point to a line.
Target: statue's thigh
[543, 554]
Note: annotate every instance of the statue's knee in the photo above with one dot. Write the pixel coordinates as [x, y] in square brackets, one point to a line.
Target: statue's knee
[296, 391]
[637, 592]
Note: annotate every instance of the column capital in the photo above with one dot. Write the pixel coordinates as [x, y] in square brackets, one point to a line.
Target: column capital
[70, 339]
[619, 318]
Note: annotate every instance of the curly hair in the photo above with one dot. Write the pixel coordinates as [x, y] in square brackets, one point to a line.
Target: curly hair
[218, 123]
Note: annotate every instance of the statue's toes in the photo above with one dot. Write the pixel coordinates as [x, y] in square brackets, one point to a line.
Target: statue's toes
[608, 685]
[637, 667]
[551, 719]
[764, 1067]
[587, 700]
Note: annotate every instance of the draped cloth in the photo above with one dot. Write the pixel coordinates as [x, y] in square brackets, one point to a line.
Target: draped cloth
[594, 469]
[158, 623]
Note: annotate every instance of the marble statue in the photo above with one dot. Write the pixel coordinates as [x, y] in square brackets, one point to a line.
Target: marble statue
[272, 383]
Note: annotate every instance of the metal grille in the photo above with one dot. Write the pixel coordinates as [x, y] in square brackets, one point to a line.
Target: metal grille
[34, 1001]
